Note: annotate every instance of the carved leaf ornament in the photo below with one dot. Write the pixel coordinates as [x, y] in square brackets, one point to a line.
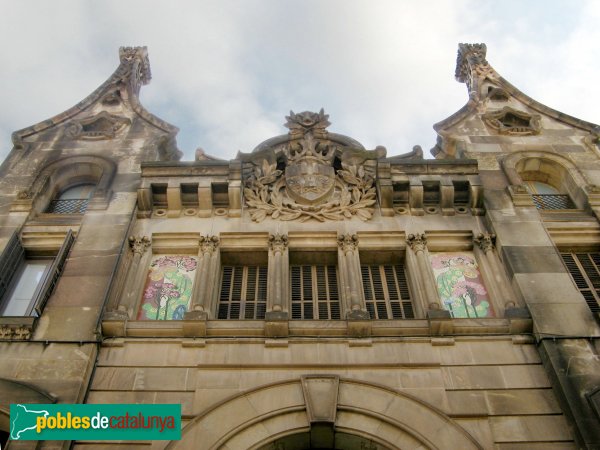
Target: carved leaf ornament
[310, 187]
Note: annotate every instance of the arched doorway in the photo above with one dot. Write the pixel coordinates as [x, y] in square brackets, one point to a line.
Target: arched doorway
[323, 412]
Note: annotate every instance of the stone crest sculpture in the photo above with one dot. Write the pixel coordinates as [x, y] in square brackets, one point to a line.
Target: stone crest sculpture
[310, 174]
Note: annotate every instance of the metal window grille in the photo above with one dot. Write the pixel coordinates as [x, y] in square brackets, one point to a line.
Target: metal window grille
[70, 206]
[552, 201]
[315, 292]
[585, 271]
[386, 292]
[243, 292]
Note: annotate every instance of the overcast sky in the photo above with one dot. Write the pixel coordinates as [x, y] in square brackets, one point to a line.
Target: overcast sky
[227, 72]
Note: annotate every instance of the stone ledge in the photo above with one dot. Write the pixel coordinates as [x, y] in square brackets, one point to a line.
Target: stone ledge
[434, 326]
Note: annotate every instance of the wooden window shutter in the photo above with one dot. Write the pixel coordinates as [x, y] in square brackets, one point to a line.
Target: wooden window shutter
[243, 292]
[585, 271]
[10, 260]
[315, 292]
[386, 292]
[47, 285]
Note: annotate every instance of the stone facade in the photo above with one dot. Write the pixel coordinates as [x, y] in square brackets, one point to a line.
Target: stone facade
[311, 293]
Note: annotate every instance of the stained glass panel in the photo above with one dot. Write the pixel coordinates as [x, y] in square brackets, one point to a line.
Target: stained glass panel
[460, 285]
[168, 288]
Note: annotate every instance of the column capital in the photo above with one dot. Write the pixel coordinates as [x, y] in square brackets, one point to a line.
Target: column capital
[278, 242]
[348, 242]
[485, 241]
[418, 242]
[139, 244]
[209, 244]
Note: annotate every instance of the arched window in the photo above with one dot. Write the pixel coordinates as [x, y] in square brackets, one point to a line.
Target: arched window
[553, 181]
[73, 200]
[546, 196]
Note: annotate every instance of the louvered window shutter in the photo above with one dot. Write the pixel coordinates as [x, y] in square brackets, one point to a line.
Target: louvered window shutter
[386, 292]
[315, 292]
[10, 260]
[243, 292]
[585, 271]
[47, 285]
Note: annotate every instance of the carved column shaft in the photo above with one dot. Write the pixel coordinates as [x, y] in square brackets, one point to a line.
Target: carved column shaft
[135, 274]
[278, 263]
[499, 283]
[418, 243]
[350, 275]
[204, 282]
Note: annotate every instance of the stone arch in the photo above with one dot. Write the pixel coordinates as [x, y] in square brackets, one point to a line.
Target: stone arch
[70, 171]
[319, 408]
[12, 391]
[550, 168]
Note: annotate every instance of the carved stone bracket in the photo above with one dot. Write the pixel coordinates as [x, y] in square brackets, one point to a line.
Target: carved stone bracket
[485, 241]
[209, 244]
[278, 242]
[348, 242]
[417, 242]
[139, 244]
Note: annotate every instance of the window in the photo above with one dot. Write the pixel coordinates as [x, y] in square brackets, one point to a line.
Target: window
[168, 289]
[546, 196]
[26, 282]
[585, 271]
[386, 292]
[243, 292]
[460, 285]
[73, 200]
[314, 292]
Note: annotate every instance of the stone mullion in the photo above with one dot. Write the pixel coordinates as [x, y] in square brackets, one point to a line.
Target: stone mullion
[277, 294]
[418, 243]
[203, 283]
[135, 274]
[350, 275]
[492, 267]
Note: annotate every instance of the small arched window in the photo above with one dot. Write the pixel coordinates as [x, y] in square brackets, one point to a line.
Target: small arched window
[546, 196]
[73, 200]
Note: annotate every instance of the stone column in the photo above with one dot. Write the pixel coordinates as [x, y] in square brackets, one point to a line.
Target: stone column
[350, 276]
[136, 274]
[418, 244]
[497, 281]
[205, 280]
[277, 294]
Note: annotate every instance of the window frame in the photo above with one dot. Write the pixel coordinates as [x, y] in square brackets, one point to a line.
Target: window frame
[585, 277]
[373, 303]
[316, 301]
[261, 285]
[12, 261]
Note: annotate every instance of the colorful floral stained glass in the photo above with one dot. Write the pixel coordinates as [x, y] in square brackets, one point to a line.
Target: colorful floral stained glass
[460, 285]
[168, 287]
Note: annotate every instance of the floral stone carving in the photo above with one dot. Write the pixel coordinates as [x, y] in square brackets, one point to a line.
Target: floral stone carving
[310, 176]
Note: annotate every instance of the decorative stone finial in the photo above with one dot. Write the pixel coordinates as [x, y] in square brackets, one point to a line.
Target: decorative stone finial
[128, 55]
[301, 123]
[471, 64]
[418, 242]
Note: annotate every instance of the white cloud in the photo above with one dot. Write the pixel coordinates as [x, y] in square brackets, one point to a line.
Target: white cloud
[227, 72]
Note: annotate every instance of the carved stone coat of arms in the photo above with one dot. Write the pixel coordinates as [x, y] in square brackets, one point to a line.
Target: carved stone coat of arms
[310, 174]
